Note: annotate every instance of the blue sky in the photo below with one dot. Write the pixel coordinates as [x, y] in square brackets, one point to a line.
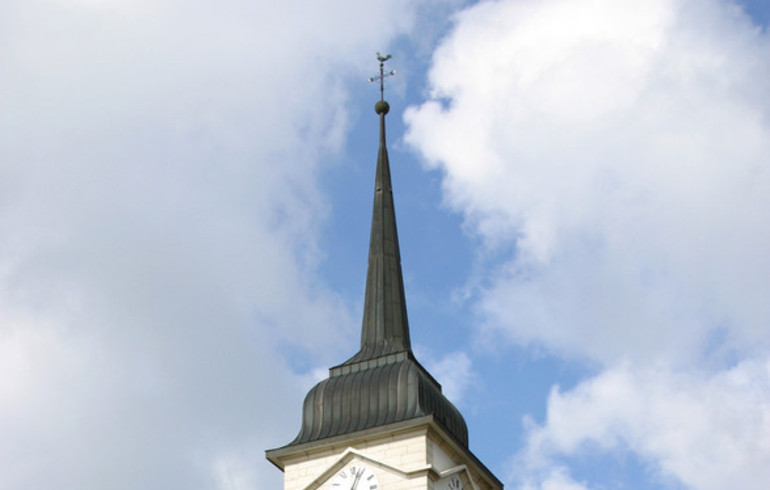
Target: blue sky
[581, 192]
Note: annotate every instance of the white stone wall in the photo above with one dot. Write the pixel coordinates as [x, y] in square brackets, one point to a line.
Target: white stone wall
[416, 459]
[399, 462]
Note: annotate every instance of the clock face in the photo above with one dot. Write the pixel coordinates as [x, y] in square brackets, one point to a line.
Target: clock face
[355, 477]
[453, 483]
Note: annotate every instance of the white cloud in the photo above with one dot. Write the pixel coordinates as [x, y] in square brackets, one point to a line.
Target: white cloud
[159, 211]
[707, 431]
[620, 150]
[622, 147]
[556, 479]
[454, 371]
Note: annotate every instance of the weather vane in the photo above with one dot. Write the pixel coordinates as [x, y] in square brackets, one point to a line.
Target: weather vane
[382, 76]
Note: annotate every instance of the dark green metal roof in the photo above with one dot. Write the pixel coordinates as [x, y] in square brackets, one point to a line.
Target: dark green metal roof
[383, 383]
[389, 389]
[385, 326]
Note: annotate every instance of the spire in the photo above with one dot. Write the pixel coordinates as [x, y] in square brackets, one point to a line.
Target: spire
[383, 384]
[385, 327]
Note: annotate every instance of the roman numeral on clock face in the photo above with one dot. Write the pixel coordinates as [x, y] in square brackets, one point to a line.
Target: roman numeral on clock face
[455, 483]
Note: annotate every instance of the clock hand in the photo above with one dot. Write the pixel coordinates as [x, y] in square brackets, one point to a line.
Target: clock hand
[358, 477]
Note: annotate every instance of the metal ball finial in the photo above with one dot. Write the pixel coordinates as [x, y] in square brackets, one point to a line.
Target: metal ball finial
[381, 107]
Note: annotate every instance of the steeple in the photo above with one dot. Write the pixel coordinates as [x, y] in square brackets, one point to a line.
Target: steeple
[380, 420]
[385, 326]
[383, 384]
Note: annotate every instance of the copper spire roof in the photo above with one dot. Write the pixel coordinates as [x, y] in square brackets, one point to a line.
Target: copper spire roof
[385, 327]
[383, 383]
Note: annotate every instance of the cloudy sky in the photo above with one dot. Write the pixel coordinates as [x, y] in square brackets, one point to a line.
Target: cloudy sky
[582, 189]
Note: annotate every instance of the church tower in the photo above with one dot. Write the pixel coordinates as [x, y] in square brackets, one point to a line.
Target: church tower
[380, 421]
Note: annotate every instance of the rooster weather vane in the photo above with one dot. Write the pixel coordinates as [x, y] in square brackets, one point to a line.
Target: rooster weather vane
[382, 76]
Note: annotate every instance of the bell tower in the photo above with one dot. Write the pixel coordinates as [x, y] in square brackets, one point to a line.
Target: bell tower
[380, 420]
